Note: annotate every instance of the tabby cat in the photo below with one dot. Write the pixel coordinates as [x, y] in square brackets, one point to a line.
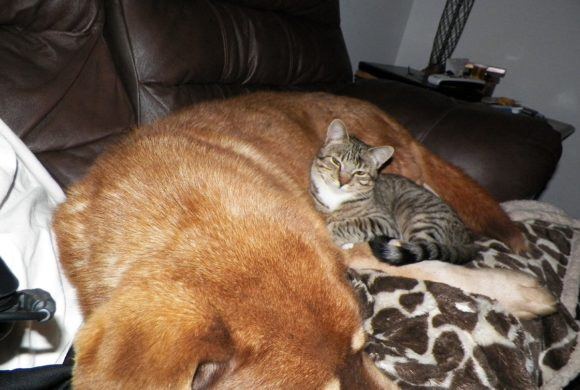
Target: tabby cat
[404, 222]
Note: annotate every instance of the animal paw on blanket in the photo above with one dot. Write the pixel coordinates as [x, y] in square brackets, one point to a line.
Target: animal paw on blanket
[430, 334]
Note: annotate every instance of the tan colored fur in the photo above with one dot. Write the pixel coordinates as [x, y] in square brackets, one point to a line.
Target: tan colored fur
[194, 246]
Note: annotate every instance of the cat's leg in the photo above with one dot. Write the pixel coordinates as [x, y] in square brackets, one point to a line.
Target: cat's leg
[517, 292]
[346, 234]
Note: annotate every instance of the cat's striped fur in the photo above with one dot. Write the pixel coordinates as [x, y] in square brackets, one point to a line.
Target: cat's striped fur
[403, 222]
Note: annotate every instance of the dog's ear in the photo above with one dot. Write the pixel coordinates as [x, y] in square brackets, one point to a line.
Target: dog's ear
[207, 374]
[214, 355]
[127, 345]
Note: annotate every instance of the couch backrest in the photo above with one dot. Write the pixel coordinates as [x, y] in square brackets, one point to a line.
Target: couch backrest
[59, 90]
[224, 48]
[76, 75]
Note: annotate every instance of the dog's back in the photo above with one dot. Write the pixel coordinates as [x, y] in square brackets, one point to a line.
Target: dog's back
[200, 261]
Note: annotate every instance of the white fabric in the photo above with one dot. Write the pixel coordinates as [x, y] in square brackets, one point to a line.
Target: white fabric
[28, 197]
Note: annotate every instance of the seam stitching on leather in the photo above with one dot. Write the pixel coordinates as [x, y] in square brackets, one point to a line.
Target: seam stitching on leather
[23, 135]
[289, 41]
[444, 115]
[133, 66]
[213, 9]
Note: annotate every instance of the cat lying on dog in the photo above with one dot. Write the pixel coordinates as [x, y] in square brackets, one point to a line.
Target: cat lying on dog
[200, 260]
[403, 222]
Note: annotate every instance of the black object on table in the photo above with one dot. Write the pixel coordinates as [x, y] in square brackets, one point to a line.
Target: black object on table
[565, 129]
[418, 78]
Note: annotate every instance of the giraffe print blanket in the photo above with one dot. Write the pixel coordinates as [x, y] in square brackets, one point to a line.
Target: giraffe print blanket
[430, 335]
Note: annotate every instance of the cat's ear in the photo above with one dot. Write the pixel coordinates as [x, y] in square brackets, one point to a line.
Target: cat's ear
[336, 132]
[381, 155]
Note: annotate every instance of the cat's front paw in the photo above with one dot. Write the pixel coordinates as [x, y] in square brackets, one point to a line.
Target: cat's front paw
[347, 246]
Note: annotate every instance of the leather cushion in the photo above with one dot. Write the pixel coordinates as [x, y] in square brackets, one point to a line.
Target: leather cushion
[223, 48]
[59, 90]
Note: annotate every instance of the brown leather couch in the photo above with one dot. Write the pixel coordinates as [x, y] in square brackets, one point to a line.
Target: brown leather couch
[76, 75]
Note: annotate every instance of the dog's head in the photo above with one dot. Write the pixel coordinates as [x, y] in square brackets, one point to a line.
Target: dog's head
[239, 332]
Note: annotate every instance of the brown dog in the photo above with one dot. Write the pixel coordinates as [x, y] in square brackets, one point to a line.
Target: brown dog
[200, 261]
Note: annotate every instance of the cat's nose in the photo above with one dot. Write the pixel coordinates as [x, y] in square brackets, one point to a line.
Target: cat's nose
[344, 178]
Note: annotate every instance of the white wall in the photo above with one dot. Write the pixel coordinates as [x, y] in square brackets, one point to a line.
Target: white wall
[373, 28]
[538, 42]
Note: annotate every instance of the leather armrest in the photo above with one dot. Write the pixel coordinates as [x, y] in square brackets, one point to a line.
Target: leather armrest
[512, 156]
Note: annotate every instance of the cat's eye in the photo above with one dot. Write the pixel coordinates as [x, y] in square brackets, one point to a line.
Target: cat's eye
[335, 161]
[359, 173]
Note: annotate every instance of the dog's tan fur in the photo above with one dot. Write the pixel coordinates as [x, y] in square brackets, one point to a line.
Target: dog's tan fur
[197, 253]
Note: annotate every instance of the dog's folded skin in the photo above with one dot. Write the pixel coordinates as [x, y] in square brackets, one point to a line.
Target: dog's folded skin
[200, 261]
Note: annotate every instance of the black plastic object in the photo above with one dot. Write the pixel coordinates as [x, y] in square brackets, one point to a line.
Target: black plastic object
[8, 287]
[34, 304]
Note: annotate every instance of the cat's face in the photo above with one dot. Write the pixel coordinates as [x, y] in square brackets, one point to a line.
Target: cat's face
[346, 165]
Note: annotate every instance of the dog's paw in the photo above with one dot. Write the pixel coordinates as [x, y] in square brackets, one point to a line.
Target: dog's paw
[518, 293]
[522, 295]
